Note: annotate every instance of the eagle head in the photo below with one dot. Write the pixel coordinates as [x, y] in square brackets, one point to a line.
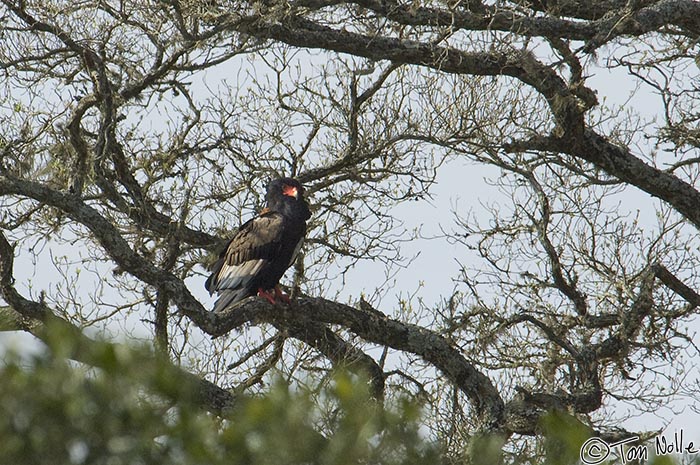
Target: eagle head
[286, 195]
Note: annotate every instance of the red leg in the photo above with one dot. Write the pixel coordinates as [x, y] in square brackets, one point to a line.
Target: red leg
[281, 295]
[266, 295]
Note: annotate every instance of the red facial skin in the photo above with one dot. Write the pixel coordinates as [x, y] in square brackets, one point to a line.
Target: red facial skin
[290, 191]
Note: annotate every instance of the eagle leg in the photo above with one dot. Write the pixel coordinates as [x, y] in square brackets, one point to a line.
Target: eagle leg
[281, 295]
[267, 296]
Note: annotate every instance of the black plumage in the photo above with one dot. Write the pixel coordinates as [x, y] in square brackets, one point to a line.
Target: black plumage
[263, 248]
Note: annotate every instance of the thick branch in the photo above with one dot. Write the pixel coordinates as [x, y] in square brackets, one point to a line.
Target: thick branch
[115, 246]
[577, 141]
[457, 18]
[38, 319]
[522, 66]
[619, 162]
[335, 349]
[372, 326]
[597, 22]
[31, 310]
[675, 284]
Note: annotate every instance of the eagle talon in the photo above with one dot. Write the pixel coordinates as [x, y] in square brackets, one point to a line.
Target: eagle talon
[267, 296]
[279, 294]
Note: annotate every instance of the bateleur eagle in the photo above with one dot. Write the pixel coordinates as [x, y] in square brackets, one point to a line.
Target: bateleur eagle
[263, 248]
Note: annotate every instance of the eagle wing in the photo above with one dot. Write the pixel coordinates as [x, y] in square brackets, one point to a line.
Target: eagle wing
[248, 253]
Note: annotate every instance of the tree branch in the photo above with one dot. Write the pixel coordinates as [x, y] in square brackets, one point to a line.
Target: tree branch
[373, 327]
[675, 284]
[619, 162]
[39, 320]
[115, 245]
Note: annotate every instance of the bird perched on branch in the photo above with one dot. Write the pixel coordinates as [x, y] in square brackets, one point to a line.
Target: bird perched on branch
[263, 248]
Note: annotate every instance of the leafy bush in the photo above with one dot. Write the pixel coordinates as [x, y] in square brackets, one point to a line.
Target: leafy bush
[135, 409]
[54, 411]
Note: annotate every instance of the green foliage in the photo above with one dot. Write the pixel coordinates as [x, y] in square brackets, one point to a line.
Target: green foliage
[137, 409]
[54, 411]
[564, 436]
[485, 450]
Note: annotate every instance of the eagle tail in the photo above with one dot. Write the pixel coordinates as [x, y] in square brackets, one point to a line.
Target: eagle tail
[229, 297]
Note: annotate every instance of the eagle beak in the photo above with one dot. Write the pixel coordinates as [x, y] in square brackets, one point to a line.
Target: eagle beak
[290, 191]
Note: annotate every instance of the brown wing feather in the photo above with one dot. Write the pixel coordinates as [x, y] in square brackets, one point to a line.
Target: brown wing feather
[256, 242]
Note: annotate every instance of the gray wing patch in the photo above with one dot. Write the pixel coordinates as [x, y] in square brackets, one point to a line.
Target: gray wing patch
[297, 248]
[247, 254]
[235, 276]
